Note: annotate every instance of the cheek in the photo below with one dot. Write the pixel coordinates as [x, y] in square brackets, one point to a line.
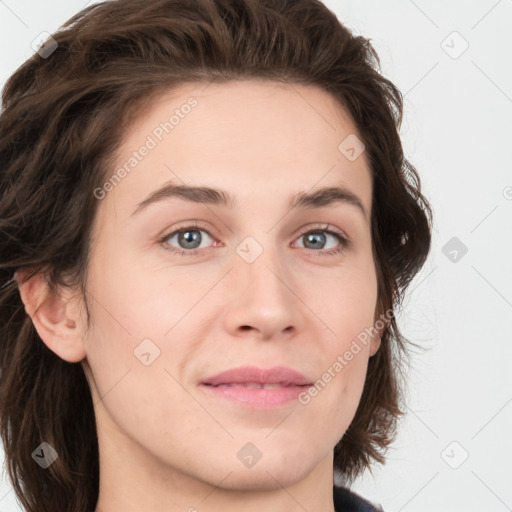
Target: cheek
[128, 298]
[137, 316]
[131, 363]
[346, 307]
[345, 302]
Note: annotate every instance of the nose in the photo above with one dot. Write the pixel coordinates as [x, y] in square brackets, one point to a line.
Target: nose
[263, 301]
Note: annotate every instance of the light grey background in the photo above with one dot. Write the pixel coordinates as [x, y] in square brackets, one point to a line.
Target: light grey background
[457, 131]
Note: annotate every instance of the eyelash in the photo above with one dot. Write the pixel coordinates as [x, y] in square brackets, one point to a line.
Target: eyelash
[344, 242]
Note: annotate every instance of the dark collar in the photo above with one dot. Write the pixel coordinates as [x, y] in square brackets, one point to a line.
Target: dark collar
[347, 501]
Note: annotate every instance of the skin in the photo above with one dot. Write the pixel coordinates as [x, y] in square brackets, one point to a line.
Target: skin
[165, 444]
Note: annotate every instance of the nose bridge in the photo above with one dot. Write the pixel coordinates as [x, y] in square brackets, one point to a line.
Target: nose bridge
[261, 288]
[260, 265]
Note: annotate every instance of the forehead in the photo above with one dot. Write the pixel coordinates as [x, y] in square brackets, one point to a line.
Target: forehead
[249, 136]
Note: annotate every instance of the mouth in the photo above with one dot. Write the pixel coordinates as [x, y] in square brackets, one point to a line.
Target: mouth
[257, 388]
[256, 395]
[254, 376]
[256, 385]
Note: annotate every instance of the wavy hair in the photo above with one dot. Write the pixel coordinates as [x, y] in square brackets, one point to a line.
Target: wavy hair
[65, 112]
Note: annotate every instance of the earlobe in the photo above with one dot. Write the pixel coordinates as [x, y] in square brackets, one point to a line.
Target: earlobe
[379, 327]
[375, 345]
[54, 319]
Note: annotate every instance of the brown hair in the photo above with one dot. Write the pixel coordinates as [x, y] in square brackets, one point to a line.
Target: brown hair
[64, 115]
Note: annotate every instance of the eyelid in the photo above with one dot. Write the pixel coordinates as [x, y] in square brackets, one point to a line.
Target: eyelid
[184, 225]
[306, 228]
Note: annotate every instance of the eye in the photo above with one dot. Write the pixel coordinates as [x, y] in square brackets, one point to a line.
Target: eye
[316, 239]
[187, 239]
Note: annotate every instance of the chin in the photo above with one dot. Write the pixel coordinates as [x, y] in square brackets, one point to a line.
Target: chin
[274, 473]
[247, 480]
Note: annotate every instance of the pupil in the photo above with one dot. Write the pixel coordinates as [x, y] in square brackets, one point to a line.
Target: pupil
[316, 239]
[191, 239]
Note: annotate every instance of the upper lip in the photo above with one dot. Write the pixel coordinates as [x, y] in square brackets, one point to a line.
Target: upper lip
[245, 374]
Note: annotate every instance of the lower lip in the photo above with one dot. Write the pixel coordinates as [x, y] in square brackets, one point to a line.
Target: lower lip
[258, 398]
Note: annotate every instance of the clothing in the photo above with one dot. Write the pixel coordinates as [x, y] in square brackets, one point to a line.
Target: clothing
[348, 501]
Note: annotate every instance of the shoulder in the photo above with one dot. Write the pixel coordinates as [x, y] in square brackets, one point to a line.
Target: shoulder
[348, 501]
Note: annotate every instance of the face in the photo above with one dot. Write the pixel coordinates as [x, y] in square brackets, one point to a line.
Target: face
[187, 285]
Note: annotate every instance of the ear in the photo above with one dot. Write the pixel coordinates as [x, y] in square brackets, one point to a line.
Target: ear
[380, 323]
[374, 345]
[56, 317]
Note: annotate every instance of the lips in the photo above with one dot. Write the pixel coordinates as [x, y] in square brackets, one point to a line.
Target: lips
[258, 378]
[254, 385]
[255, 388]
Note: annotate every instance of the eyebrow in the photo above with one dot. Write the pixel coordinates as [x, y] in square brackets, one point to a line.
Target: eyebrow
[199, 194]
